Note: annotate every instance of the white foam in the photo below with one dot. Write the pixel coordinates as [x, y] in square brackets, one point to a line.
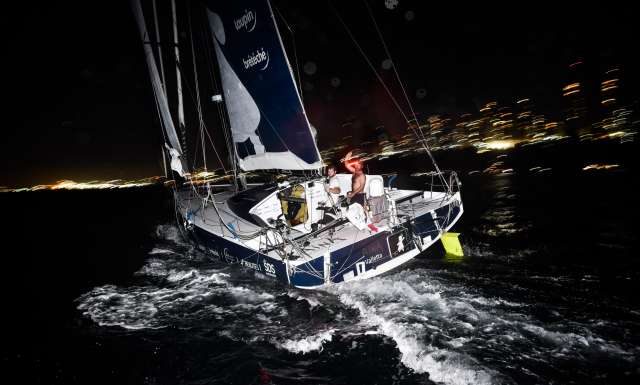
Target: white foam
[477, 251]
[150, 306]
[169, 232]
[387, 304]
[263, 318]
[157, 250]
[307, 344]
[108, 307]
[458, 342]
[154, 268]
[576, 341]
[313, 303]
[558, 338]
[175, 276]
[245, 295]
[442, 365]
[494, 302]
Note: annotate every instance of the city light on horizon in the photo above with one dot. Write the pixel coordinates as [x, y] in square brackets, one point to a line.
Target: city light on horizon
[90, 185]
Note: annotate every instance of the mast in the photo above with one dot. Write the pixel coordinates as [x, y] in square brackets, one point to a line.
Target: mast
[175, 151]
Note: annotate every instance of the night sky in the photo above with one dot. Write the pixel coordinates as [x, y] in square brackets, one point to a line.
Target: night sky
[81, 106]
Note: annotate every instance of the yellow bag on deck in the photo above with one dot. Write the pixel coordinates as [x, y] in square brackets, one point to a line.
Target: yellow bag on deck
[295, 212]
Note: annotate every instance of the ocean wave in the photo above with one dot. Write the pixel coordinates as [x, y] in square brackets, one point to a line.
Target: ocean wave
[157, 250]
[313, 302]
[307, 344]
[387, 304]
[439, 321]
[169, 232]
[149, 306]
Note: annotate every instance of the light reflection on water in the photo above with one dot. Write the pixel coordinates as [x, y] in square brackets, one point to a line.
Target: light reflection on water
[513, 309]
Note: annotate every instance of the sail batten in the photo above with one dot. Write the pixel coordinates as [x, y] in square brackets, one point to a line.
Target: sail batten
[269, 125]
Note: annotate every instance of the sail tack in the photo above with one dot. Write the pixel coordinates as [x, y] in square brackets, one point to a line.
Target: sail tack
[269, 125]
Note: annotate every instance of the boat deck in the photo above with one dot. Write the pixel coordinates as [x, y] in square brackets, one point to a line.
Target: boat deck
[337, 235]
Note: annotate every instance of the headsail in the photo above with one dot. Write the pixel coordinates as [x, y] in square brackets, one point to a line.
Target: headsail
[269, 125]
[175, 151]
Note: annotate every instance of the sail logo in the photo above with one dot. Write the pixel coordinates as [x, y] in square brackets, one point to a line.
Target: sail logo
[247, 21]
[259, 56]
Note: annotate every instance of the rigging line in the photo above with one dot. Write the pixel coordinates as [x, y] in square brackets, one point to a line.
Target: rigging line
[206, 131]
[151, 63]
[386, 50]
[162, 123]
[239, 236]
[195, 157]
[333, 224]
[155, 20]
[190, 92]
[207, 50]
[295, 52]
[194, 189]
[164, 136]
[197, 84]
[353, 243]
[424, 144]
[395, 70]
[164, 139]
[295, 157]
[223, 123]
[216, 88]
[177, 214]
[300, 250]
[296, 247]
[335, 11]
[312, 270]
[176, 56]
[348, 267]
[304, 113]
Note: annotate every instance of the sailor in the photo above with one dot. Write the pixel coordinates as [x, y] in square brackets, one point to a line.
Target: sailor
[332, 187]
[330, 206]
[358, 180]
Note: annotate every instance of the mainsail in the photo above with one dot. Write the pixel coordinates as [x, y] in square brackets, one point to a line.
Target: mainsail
[269, 125]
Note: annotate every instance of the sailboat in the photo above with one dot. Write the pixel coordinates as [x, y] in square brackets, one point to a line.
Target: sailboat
[289, 229]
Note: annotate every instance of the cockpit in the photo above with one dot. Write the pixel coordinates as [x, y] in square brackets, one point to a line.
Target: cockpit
[305, 206]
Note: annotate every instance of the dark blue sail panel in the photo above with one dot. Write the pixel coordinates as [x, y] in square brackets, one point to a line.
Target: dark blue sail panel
[269, 126]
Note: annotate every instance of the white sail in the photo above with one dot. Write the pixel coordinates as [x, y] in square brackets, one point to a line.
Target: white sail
[175, 151]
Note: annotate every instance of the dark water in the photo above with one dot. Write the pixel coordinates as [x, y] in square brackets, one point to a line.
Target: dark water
[99, 287]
